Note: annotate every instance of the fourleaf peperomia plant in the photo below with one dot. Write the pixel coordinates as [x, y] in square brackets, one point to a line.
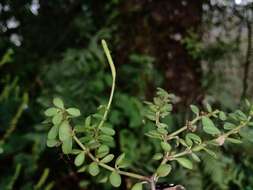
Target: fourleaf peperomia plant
[90, 142]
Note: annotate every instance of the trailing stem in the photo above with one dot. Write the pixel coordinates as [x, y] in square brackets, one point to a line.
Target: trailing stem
[247, 61]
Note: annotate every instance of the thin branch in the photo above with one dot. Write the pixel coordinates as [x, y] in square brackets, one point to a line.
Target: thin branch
[247, 61]
[152, 184]
[128, 174]
[14, 121]
[184, 128]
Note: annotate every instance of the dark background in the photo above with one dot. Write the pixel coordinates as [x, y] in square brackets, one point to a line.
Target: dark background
[199, 50]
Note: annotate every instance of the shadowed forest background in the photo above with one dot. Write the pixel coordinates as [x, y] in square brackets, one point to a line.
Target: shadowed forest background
[199, 50]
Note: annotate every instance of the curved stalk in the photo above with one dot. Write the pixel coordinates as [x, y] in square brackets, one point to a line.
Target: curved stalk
[113, 71]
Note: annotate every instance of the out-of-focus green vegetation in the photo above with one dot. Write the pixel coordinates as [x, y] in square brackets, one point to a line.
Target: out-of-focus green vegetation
[199, 50]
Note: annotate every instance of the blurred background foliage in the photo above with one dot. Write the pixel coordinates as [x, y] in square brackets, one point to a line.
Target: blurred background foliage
[199, 50]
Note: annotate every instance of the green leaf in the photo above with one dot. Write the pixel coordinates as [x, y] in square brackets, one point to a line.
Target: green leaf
[82, 169]
[166, 108]
[153, 134]
[102, 151]
[229, 126]
[87, 121]
[80, 128]
[198, 148]
[185, 162]
[162, 130]
[158, 101]
[108, 131]
[93, 169]
[195, 157]
[93, 144]
[162, 126]
[163, 170]
[53, 132]
[107, 159]
[120, 159]
[158, 156]
[115, 179]
[165, 146]
[106, 138]
[73, 112]
[195, 109]
[188, 142]
[51, 112]
[76, 151]
[209, 127]
[52, 143]
[235, 141]
[57, 119]
[241, 115]
[182, 141]
[208, 107]
[137, 186]
[247, 102]
[210, 152]
[79, 159]
[222, 116]
[233, 116]
[150, 115]
[67, 146]
[1, 150]
[102, 178]
[98, 116]
[65, 131]
[193, 137]
[58, 103]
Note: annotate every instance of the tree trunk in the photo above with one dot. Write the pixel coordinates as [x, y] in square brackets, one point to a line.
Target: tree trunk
[156, 28]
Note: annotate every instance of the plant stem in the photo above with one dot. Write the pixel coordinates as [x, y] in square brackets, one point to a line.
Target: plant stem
[226, 135]
[152, 184]
[42, 179]
[185, 152]
[192, 122]
[15, 176]
[13, 123]
[129, 174]
[167, 158]
[237, 128]
[113, 71]
[177, 132]
[112, 67]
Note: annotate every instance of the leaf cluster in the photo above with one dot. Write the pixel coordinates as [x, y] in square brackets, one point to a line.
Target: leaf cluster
[90, 141]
